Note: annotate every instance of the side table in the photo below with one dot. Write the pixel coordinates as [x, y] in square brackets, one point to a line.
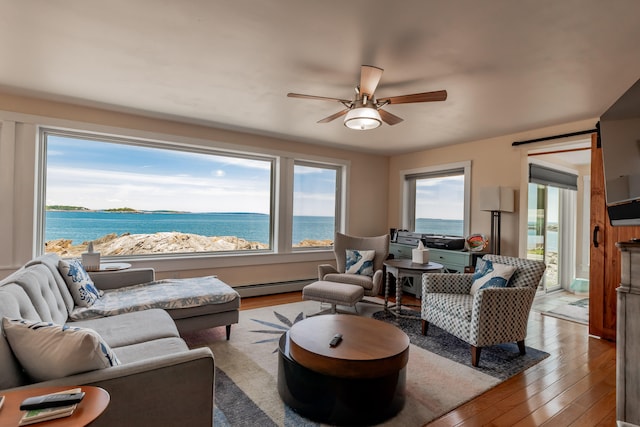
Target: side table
[400, 268]
[114, 266]
[92, 406]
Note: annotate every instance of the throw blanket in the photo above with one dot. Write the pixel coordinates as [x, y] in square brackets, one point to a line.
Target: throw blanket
[165, 294]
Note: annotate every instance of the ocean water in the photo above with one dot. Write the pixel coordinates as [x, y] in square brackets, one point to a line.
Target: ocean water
[445, 227]
[79, 226]
[85, 226]
[534, 240]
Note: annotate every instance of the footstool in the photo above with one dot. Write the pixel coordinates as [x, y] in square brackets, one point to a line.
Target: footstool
[333, 293]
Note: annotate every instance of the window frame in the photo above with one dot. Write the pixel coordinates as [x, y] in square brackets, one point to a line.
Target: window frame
[339, 201]
[281, 185]
[409, 191]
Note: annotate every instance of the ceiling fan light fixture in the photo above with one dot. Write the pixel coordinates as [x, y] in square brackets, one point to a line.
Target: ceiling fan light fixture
[362, 118]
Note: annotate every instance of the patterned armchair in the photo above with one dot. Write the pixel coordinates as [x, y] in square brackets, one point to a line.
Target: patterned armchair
[341, 243]
[490, 316]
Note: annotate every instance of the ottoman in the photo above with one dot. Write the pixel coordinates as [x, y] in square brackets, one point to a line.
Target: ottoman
[333, 293]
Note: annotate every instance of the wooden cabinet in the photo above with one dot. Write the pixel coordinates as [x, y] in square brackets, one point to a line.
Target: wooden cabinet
[604, 270]
[628, 335]
[453, 262]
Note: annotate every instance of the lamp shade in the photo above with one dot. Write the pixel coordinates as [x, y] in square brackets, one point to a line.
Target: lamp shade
[362, 118]
[500, 199]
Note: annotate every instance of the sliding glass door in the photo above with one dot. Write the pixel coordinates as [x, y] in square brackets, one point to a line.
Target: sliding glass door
[543, 231]
[551, 233]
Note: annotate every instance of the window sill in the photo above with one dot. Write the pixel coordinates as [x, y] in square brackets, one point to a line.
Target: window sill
[197, 262]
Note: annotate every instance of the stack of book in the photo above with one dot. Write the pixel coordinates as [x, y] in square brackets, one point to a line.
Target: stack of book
[45, 414]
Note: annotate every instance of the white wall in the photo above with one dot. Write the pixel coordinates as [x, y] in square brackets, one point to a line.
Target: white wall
[494, 162]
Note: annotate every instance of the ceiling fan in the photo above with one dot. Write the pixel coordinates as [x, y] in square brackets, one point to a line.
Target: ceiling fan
[365, 111]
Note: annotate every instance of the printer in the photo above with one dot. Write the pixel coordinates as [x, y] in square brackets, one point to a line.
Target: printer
[435, 241]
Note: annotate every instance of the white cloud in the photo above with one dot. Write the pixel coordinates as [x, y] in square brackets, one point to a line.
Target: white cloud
[99, 189]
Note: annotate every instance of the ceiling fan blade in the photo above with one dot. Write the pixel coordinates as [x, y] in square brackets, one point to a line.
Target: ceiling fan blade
[439, 95]
[369, 79]
[321, 98]
[388, 118]
[333, 116]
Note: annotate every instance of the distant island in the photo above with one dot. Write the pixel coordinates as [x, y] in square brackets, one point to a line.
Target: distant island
[121, 210]
[116, 210]
[66, 208]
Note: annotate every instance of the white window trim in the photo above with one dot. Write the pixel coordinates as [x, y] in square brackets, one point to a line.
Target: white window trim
[339, 213]
[284, 162]
[407, 196]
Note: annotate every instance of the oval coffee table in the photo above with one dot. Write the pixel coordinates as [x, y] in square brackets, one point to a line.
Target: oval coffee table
[361, 381]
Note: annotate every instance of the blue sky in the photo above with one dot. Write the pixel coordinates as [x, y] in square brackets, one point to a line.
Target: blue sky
[441, 198]
[100, 175]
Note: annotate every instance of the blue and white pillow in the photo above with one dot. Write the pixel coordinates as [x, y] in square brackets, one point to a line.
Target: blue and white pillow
[490, 275]
[80, 285]
[359, 262]
[48, 351]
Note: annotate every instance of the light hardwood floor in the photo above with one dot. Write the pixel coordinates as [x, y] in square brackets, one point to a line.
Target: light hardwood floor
[575, 386]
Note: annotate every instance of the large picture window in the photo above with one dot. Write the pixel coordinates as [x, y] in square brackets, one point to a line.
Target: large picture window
[437, 200]
[132, 199]
[314, 204]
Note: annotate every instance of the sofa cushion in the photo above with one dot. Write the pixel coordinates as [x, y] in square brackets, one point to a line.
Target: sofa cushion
[492, 275]
[150, 349]
[456, 305]
[80, 284]
[359, 262]
[43, 296]
[51, 261]
[352, 279]
[165, 294]
[132, 328]
[47, 351]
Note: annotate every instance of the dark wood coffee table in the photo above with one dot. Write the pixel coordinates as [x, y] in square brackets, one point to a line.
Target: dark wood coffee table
[361, 381]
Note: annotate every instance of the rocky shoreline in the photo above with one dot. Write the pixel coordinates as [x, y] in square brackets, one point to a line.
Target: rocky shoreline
[162, 243]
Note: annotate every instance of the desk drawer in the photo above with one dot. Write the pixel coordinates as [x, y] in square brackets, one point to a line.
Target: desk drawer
[449, 257]
[400, 251]
[452, 260]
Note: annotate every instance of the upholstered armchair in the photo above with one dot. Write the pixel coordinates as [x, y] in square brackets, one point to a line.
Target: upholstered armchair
[490, 315]
[342, 243]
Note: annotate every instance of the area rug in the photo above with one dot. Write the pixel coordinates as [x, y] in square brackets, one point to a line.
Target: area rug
[500, 361]
[246, 371]
[576, 311]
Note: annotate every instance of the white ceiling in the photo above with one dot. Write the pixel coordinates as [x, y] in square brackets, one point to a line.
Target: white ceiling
[508, 66]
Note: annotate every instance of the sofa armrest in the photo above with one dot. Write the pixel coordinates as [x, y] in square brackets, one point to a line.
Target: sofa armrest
[501, 315]
[120, 278]
[378, 282]
[446, 283]
[324, 269]
[175, 389]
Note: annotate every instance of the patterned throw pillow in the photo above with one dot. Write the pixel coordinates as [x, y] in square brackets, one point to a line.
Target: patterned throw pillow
[490, 275]
[359, 262]
[47, 351]
[80, 285]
